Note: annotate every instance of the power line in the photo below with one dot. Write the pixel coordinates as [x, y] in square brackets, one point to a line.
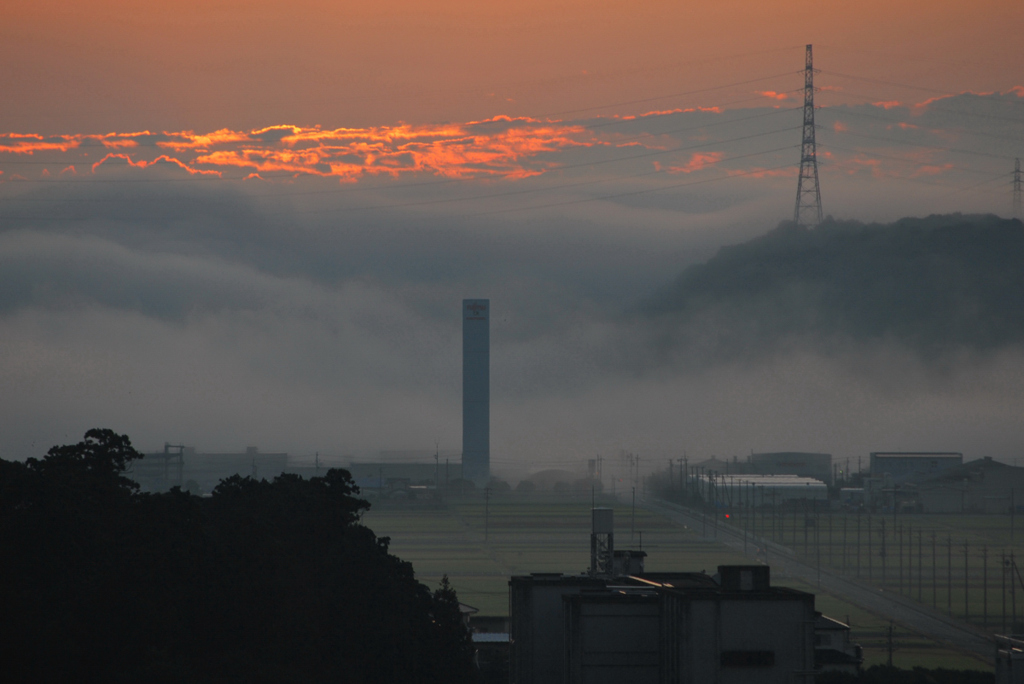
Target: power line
[665, 97]
[834, 110]
[932, 108]
[649, 190]
[514, 193]
[921, 181]
[958, 150]
[907, 85]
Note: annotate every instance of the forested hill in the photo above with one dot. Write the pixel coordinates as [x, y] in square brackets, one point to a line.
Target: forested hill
[934, 283]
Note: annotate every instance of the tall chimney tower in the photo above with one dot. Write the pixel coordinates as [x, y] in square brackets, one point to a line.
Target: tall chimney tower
[476, 390]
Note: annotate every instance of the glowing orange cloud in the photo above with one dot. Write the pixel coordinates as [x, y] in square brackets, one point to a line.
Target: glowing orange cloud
[161, 159]
[931, 170]
[503, 146]
[761, 172]
[698, 161]
[888, 104]
[771, 94]
[17, 143]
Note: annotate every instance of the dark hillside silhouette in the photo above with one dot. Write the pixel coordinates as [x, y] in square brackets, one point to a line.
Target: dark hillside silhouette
[934, 284]
[261, 582]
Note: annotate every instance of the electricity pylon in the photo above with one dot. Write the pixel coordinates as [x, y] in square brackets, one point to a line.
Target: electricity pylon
[808, 195]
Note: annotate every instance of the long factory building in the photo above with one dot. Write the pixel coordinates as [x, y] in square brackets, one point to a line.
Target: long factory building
[758, 490]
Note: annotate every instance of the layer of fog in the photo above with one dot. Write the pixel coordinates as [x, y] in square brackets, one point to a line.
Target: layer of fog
[293, 318]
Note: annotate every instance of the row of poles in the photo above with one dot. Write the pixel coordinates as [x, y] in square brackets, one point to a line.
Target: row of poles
[867, 544]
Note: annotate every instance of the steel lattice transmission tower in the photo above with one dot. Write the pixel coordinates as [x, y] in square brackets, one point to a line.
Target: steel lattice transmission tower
[1016, 189]
[808, 194]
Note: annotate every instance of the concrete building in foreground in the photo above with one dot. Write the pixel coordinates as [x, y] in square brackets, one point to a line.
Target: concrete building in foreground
[476, 390]
[660, 628]
[618, 623]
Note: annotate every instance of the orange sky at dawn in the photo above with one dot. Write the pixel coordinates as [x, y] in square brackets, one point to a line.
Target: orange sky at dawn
[103, 65]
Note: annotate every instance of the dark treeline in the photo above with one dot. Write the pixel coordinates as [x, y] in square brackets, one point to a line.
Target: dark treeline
[886, 674]
[262, 581]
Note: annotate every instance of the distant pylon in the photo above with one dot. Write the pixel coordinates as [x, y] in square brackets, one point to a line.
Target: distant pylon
[1016, 189]
[808, 195]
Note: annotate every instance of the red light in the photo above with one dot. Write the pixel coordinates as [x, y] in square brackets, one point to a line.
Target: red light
[726, 515]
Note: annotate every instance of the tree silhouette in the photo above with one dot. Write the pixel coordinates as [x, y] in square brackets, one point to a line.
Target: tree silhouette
[261, 581]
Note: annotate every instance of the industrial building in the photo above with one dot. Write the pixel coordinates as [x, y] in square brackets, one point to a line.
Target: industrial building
[1009, 660]
[476, 390]
[803, 464]
[398, 469]
[833, 650]
[182, 466]
[758, 490]
[618, 623]
[897, 467]
[980, 486]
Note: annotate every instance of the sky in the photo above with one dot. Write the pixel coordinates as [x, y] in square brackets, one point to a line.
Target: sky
[228, 224]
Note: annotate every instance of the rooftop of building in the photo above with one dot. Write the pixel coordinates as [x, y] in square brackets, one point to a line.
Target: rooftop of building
[975, 470]
[726, 583]
[824, 622]
[916, 454]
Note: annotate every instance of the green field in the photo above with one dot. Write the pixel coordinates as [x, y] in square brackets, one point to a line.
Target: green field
[548, 533]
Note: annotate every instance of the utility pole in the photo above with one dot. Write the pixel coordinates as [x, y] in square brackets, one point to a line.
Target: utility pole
[858, 544]
[949, 574]
[889, 645]
[808, 194]
[632, 518]
[910, 559]
[1016, 188]
[920, 563]
[829, 514]
[487, 511]
[1002, 565]
[871, 553]
[1013, 592]
[844, 543]
[967, 610]
[984, 586]
[882, 552]
[935, 575]
[899, 532]
[817, 543]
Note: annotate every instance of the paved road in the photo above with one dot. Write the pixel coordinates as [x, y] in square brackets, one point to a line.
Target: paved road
[908, 613]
